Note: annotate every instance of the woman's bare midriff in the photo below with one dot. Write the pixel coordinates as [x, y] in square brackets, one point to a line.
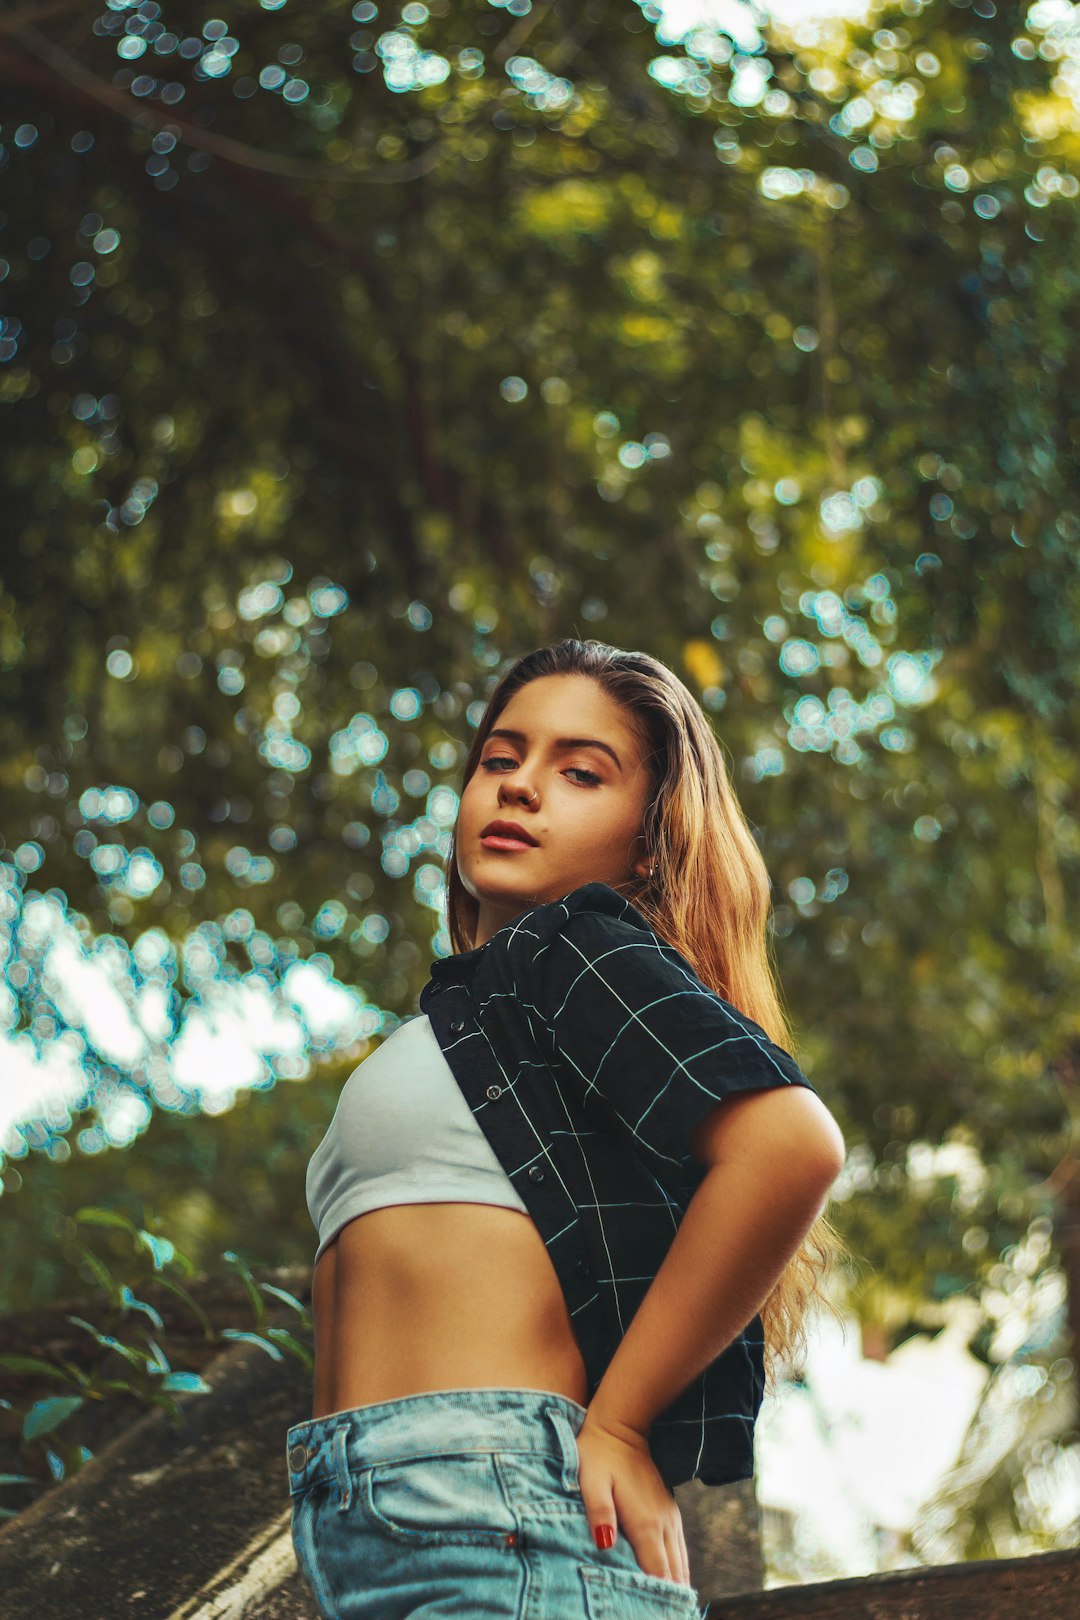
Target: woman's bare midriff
[413, 1298]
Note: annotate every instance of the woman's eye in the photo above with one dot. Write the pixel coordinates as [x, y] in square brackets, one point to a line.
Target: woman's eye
[574, 770]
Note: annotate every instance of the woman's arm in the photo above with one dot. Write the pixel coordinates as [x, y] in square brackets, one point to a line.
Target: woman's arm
[772, 1156]
[669, 1066]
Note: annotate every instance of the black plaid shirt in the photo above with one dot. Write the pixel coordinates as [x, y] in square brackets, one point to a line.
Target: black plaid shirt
[588, 1049]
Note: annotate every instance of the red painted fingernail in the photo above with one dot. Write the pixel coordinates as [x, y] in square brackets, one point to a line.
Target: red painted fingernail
[605, 1536]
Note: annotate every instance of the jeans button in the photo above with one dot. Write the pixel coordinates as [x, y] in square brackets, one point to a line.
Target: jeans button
[298, 1456]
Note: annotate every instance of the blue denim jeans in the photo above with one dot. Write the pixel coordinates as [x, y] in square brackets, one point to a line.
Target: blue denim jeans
[460, 1502]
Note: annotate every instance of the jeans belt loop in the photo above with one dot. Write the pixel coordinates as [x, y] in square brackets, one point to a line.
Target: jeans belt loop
[567, 1445]
[340, 1458]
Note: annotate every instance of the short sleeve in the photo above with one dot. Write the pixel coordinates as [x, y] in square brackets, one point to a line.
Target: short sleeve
[651, 1046]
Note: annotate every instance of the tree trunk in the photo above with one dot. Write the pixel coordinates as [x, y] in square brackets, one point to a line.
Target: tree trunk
[723, 1537]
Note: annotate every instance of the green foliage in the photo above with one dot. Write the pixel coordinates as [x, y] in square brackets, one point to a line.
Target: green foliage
[322, 405]
[130, 1370]
[234, 1180]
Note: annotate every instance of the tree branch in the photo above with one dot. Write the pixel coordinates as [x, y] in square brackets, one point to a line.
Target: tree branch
[148, 116]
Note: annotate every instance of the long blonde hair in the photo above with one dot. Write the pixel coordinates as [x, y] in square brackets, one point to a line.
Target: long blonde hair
[708, 896]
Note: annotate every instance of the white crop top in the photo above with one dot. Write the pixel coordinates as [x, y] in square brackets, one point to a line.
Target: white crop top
[402, 1133]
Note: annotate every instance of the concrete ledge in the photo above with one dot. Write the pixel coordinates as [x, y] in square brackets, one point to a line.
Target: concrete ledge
[167, 1523]
[1044, 1587]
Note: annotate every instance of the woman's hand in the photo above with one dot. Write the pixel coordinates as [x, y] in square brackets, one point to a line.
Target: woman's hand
[623, 1488]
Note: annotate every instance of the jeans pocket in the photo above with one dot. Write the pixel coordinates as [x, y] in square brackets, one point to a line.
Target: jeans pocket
[439, 1499]
[626, 1594]
[539, 1485]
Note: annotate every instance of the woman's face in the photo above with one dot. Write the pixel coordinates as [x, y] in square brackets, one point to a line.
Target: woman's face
[582, 805]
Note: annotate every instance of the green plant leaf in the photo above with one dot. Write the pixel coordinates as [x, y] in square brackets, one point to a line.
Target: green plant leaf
[283, 1337]
[183, 1261]
[289, 1299]
[76, 1374]
[251, 1287]
[102, 1275]
[94, 1215]
[160, 1359]
[121, 1386]
[128, 1302]
[162, 1249]
[192, 1304]
[108, 1342]
[253, 1338]
[188, 1382]
[44, 1416]
[80, 1321]
[18, 1479]
[32, 1364]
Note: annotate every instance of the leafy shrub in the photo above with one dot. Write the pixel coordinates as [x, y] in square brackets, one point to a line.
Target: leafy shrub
[149, 1347]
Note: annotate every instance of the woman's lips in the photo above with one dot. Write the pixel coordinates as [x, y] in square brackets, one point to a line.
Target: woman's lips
[501, 841]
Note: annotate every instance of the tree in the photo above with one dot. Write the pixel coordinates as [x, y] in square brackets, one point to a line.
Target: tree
[497, 324]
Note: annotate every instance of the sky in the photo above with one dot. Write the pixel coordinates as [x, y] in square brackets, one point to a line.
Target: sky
[799, 10]
[684, 13]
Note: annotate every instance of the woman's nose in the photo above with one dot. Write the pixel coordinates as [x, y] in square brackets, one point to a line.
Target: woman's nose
[516, 790]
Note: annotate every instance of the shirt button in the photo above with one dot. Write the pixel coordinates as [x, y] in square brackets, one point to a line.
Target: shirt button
[536, 1174]
[494, 1092]
[298, 1456]
[458, 1025]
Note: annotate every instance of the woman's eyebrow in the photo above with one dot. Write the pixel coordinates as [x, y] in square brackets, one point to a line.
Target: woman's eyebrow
[562, 742]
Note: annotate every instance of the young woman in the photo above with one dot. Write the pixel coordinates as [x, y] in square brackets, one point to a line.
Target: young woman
[551, 1207]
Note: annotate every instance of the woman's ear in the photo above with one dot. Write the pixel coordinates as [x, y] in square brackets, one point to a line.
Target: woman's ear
[640, 859]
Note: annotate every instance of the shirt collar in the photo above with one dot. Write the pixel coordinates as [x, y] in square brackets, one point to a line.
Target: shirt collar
[461, 962]
[458, 964]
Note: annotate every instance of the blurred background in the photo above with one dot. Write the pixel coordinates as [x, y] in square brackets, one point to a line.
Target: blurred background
[348, 353]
